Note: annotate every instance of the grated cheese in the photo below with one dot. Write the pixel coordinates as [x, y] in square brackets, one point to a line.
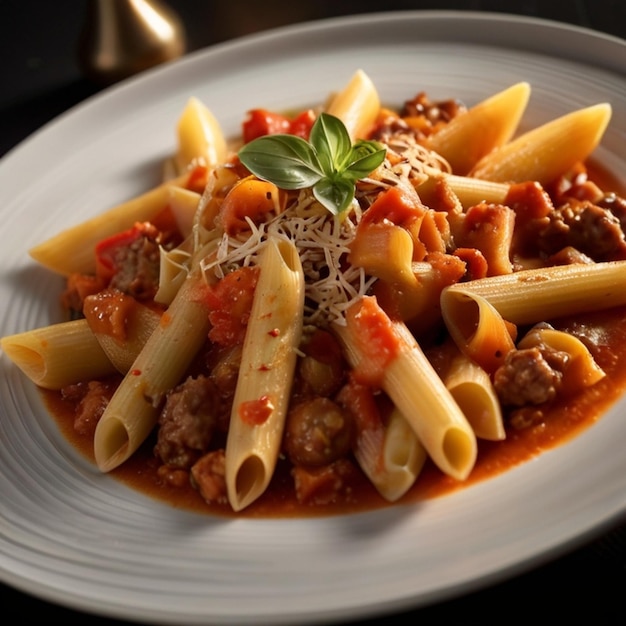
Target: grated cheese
[323, 239]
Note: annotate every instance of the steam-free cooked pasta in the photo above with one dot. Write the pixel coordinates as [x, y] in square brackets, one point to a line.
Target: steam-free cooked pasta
[350, 290]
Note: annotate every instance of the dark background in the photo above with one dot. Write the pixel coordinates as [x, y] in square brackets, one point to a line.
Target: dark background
[40, 78]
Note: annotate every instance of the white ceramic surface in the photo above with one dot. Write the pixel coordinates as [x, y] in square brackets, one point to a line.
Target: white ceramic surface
[73, 536]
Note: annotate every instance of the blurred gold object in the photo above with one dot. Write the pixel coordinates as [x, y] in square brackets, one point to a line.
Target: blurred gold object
[123, 37]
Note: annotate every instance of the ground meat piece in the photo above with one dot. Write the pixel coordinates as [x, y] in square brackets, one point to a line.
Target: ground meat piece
[591, 229]
[187, 422]
[616, 205]
[324, 485]
[137, 266]
[528, 377]
[317, 432]
[91, 399]
[437, 113]
[419, 117]
[389, 127]
[321, 368]
[208, 477]
[225, 373]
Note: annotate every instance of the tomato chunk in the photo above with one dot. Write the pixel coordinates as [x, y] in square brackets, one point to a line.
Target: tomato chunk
[261, 122]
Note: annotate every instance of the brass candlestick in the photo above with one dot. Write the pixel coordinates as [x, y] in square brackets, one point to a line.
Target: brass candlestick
[120, 38]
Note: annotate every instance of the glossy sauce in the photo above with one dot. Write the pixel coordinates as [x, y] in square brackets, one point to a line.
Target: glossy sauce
[563, 421]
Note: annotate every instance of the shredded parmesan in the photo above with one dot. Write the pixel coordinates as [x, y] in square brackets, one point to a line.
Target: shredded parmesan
[323, 239]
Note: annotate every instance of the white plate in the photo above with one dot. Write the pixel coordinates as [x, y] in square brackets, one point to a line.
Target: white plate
[73, 536]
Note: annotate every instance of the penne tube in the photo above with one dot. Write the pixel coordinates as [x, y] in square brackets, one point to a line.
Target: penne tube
[357, 105]
[471, 387]
[386, 354]
[133, 410]
[391, 457]
[173, 270]
[266, 373]
[548, 151]
[478, 330]
[121, 325]
[200, 138]
[535, 295]
[58, 355]
[468, 137]
[249, 199]
[72, 250]
[469, 191]
[184, 204]
[385, 250]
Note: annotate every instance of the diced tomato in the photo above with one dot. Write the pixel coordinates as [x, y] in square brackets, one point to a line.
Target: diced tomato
[261, 122]
[396, 206]
[302, 123]
[256, 412]
[373, 331]
[197, 179]
[230, 301]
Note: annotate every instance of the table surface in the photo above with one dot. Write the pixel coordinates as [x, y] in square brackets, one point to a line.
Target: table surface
[41, 79]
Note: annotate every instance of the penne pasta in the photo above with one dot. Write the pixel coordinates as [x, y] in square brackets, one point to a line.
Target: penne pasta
[183, 203]
[471, 387]
[468, 137]
[391, 456]
[72, 250]
[265, 376]
[548, 151]
[58, 355]
[133, 410]
[200, 138]
[374, 345]
[173, 270]
[121, 325]
[469, 191]
[385, 250]
[357, 105]
[479, 331]
[270, 305]
[535, 295]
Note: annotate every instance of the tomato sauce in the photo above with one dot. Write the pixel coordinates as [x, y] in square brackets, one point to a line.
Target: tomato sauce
[562, 421]
[565, 419]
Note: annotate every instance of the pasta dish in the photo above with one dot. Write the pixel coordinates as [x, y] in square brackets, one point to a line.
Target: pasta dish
[349, 291]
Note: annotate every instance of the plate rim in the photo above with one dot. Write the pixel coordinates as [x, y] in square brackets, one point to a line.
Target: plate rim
[15, 154]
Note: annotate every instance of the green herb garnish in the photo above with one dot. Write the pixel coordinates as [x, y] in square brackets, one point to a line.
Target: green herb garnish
[328, 163]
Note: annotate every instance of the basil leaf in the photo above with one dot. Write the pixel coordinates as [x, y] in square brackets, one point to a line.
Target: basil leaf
[331, 141]
[365, 157]
[328, 163]
[335, 194]
[288, 161]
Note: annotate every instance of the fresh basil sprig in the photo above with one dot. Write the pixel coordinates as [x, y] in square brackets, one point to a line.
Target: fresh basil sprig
[328, 163]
